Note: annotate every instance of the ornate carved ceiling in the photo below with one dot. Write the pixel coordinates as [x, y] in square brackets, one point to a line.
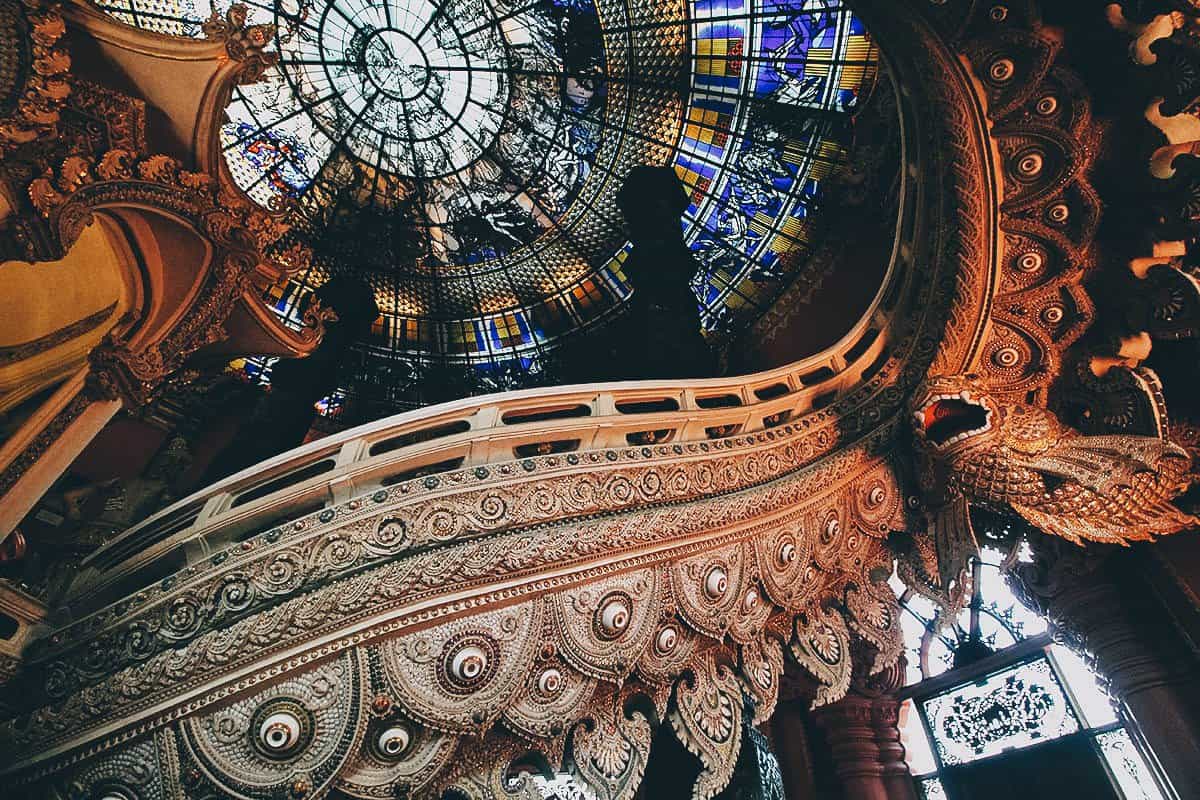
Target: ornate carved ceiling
[436, 621]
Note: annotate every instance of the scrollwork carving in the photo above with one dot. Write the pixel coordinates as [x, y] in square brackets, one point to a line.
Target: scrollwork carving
[34, 89]
[708, 721]
[821, 644]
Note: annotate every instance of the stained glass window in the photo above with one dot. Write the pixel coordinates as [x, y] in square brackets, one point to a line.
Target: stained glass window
[463, 157]
[991, 683]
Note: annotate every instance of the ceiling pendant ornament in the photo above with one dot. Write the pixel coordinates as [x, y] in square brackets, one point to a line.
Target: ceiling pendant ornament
[821, 644]
[610, 749]
[874, 614]
[761, 669]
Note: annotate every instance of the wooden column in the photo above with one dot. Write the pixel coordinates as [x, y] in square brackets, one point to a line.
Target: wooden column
[864, 738]
[789, 737]
[1101, 606]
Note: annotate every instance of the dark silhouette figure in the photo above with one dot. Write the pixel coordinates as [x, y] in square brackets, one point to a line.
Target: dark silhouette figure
[284, 415]
[660, 334]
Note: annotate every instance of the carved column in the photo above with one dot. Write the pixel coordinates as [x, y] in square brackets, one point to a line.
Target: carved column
[864, 739]
[791, 742]
[885, 720]
[1099, 605]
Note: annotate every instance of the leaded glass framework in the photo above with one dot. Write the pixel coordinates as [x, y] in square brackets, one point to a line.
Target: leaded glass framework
[993, 682]
[463, 157]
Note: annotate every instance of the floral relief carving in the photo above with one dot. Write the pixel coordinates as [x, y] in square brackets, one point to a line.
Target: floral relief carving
[243, 236]
[35, 78]
[555, 603]
[245, 44]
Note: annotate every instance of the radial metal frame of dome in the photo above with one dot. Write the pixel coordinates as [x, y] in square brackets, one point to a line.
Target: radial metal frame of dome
[749, 99]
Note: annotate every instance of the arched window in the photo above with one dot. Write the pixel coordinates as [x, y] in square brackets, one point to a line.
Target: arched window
[993, 703]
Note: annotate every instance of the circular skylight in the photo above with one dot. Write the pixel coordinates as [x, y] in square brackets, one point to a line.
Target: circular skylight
[412, 86]
[463, 157]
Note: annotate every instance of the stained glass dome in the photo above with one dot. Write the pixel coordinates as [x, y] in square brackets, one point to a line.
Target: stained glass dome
[464, 156]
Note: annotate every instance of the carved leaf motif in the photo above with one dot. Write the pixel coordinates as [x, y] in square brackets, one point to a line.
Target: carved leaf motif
[821, 644]
[762, 666]
[875, 616]
[708, 721]
[610, 751]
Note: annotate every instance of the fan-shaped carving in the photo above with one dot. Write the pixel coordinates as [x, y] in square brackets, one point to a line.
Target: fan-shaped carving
[605, 625]
[375, 774]
[301, 729]
[553, 692]
[708, 588]
[460, 676]
[786, 567]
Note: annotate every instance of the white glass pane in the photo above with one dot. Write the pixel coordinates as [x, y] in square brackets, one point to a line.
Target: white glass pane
[1015, 708]
[1128, 766]
[913, 630]
[921, 606]
[1001, 602]
[932, 789]
[562, 787]
[995, 632]
[917, 753]
[1084, 687]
